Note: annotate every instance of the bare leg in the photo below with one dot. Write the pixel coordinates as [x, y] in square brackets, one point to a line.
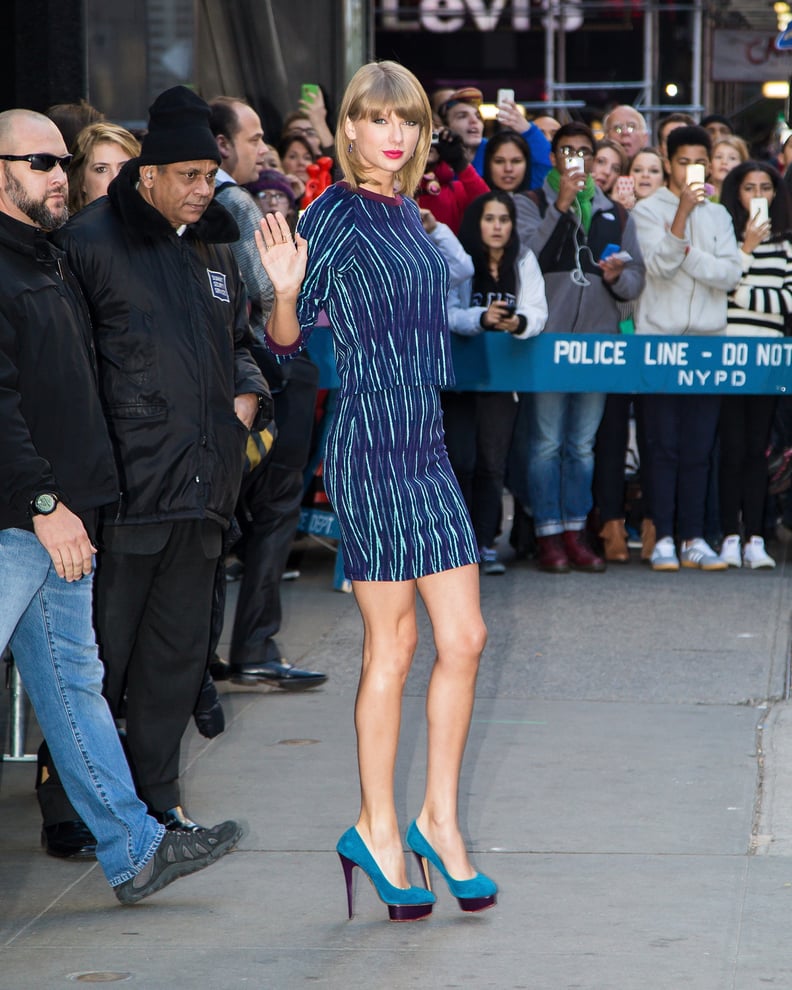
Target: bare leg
[390, 637]
[452, 601]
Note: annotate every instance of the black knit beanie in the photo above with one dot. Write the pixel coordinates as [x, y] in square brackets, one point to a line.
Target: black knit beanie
[178, 130]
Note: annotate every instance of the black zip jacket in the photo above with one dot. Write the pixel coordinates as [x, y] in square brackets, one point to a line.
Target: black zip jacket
[53, 436]
[170, 323]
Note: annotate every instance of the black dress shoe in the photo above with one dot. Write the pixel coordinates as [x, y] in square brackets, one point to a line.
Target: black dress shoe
[208, 712]
[279, 673]
[69, 840]
[175, 820]
[219, 668]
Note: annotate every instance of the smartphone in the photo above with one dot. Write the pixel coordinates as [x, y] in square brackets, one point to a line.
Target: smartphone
[759, 212]
[695, 174]
[504, 95]
[308, 91]
[625, 185]
[573, 164]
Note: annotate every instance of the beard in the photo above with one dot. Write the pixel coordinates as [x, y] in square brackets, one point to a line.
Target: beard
[37, 210]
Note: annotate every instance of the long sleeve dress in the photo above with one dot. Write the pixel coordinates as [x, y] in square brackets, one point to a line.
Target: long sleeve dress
[383, 285]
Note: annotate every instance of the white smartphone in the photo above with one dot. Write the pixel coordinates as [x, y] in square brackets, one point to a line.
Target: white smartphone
[759, 210]
[573, 165]
[504, 95]
[695, 174]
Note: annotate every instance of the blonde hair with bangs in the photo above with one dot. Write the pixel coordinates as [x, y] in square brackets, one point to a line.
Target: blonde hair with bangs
[375, 88]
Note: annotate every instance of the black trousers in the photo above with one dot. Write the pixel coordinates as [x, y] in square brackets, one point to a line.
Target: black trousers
[273, 504]
[268, 512]
[680, 431]
[153, 614]
[609, 451]
[478, 432]
[745, 422]
[152, 611]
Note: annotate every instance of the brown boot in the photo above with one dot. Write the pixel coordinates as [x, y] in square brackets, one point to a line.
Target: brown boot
[614, 542]
[648, 539]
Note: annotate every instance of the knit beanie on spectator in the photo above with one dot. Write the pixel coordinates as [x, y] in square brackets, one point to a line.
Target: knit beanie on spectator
[272, 179]
[178, 130]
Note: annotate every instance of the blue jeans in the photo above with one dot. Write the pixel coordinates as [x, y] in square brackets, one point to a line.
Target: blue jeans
[560, 458]
[48, 624]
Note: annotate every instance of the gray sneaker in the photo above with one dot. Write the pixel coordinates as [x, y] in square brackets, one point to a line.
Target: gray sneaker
[178, 855]
[698, 553]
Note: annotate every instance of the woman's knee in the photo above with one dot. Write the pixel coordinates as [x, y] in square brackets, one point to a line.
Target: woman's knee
[391, 651]
[466, 641]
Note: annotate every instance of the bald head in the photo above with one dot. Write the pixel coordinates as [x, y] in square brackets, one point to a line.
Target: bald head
[18, 126]
[32, 196]
[625, 125]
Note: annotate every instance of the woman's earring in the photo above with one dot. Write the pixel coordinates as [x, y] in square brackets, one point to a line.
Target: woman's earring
[349, 149]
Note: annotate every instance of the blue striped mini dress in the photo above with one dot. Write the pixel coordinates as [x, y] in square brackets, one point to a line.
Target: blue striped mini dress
[383, 285]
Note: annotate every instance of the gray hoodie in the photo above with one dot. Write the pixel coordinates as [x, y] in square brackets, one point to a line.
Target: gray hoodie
[687, 280]
[585, 303]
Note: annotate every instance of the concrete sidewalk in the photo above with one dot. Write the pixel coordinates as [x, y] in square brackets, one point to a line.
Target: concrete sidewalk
[628, 784]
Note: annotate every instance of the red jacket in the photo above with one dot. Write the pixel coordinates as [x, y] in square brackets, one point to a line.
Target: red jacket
[455, 195]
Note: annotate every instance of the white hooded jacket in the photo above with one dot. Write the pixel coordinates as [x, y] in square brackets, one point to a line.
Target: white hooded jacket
[687, 280]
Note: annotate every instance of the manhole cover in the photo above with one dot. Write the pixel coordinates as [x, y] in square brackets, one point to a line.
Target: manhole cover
[99, 977]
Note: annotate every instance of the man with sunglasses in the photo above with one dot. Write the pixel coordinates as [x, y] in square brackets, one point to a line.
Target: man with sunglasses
[180, 392]
[57, 471]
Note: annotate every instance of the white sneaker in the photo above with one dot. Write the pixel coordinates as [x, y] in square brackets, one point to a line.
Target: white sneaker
[730, 551]
[755, 555]
[698, 553]
[664, 556]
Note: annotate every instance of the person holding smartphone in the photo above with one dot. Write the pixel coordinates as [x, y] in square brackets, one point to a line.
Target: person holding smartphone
[692, 262]
[571, 223]
[760, 306]
[610, 165]
[505, 295]
[645, 175]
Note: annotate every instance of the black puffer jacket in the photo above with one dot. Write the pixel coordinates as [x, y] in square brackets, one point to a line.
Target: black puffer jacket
[171, 329]
[53, 436]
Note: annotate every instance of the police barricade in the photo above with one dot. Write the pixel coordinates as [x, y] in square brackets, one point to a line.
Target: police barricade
[496, 362]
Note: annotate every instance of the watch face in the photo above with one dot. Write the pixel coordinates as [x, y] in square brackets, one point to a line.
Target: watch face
[45, 503]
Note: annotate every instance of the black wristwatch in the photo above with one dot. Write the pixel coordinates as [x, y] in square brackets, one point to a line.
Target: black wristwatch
[44, 504]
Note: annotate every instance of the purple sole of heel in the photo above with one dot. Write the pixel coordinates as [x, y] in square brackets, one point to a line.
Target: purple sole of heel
[409, 912]
[396, 912]
[477, 903]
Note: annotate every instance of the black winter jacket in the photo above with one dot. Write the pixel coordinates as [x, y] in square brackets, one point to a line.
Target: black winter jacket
[171, 328]
[53, 436]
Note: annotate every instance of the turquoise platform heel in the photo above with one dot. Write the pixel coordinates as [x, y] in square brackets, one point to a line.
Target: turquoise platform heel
[473, 895]
[404, 904]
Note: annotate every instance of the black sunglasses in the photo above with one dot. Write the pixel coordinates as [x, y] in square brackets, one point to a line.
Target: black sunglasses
[42, 162]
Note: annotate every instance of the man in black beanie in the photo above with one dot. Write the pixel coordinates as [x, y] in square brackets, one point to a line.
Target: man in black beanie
[180, 391]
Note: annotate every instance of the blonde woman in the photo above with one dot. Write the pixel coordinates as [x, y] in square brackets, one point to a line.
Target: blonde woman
[405, 528]
[99, 151]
